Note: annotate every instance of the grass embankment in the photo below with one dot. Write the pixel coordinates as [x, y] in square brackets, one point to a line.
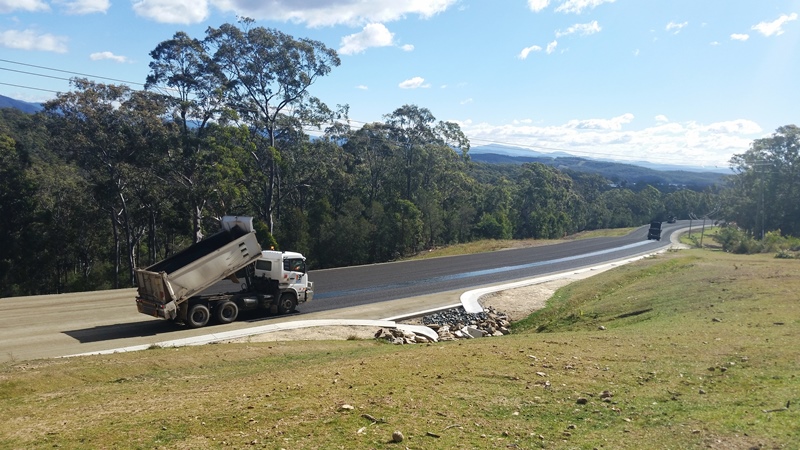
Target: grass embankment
[699, 350]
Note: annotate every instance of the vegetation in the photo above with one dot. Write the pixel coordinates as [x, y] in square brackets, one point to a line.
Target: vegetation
[106, 179]
[698, 351]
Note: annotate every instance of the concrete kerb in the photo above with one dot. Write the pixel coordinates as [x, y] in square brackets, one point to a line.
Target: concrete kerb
[469, 300]
[244, 333]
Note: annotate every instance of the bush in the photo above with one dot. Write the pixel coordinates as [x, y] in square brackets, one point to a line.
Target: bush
[735, 240]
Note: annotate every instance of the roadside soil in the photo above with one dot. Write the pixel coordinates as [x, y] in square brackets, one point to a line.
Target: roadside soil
[516, 303]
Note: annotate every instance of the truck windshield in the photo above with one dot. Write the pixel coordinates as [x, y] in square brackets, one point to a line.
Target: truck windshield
[294, 265]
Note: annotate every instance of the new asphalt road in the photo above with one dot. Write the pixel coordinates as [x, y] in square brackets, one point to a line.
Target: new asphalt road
[58, 325]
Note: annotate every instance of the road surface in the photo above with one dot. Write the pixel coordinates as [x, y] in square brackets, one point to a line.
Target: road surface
[58, 325]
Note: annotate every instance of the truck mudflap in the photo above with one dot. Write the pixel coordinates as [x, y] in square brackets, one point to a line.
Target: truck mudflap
[163, 310]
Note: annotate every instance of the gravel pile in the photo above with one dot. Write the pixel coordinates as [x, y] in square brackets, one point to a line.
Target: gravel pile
[454, 318]
[455, 324]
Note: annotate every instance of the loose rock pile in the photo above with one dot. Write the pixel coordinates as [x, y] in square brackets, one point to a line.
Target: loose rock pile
[453, 324]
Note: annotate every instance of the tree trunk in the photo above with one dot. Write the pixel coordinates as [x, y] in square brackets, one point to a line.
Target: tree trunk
[130, 246]
[197, 221]
[115, 232]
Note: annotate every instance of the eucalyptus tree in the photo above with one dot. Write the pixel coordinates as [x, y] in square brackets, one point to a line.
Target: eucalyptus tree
[546, 203]
[429, 160]
[17, 196]
[495, 211]
[411, 129]
[113, 134]
[682, 203]
[195, 89]
[270, 74]
[649, 206]
[766, 186]
[614, 209]
[372, 150]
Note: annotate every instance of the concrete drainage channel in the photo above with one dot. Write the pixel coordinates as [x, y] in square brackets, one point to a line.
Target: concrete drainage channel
[469, 301]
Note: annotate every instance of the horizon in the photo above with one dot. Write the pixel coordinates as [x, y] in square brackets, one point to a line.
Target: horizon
[672, 83]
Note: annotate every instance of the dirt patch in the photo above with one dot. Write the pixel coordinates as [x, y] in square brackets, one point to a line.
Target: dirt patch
[521, 302]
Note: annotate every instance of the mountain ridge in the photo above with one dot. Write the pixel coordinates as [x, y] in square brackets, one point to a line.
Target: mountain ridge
[27, 107]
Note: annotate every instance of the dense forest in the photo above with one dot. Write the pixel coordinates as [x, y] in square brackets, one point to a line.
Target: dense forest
[106, 178]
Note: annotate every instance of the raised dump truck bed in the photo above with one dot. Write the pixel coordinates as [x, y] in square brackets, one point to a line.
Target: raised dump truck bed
[163, 286]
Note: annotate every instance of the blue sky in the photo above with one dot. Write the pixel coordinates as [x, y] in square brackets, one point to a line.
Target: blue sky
[667, 81]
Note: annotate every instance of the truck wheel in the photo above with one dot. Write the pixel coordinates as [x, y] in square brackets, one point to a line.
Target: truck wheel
[198, 316]
[287, 304]
[227, 312]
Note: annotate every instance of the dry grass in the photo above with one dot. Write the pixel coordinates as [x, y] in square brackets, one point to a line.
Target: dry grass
[696, 347]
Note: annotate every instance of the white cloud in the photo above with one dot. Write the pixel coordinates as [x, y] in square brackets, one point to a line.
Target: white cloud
[538, 5]
[466, 101]
[740, 126]
[32, 40]
[7, 6]
[577, 6]
[740, 37]
[551, 47]
[83, 6]
[687, 143]
[315, 13]
[584, 29]
[661, 118]
[774, 28]
[184, 12]
[676, 28]
[527, 50]
[108, 55]
[714, 43]
[407, 48]
[615, 123]
[362, 87]
[373, 35]
[414, 83]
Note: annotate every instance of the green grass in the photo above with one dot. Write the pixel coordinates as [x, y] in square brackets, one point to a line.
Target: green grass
[694, 238]
[697, 346]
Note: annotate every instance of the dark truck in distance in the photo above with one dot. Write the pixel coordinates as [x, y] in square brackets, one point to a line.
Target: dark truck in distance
[655, 231]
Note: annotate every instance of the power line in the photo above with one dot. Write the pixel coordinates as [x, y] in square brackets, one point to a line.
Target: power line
[485, 141]
[29, 87]
[34, 74]
[69, 72]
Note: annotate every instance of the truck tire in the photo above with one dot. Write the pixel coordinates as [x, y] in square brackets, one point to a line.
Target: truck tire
[198, 316]
[226, 312]
[287, 303]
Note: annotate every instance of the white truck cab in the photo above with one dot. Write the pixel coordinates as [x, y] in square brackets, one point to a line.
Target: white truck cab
[289, 269]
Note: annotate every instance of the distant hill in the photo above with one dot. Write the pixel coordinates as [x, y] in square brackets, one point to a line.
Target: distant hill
[611, 170]
[30, 108]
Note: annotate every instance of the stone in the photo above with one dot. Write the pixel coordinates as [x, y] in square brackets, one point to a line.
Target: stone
[397, 437]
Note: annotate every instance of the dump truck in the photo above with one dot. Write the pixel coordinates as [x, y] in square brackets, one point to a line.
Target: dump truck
[220, 276]
[655, 231]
